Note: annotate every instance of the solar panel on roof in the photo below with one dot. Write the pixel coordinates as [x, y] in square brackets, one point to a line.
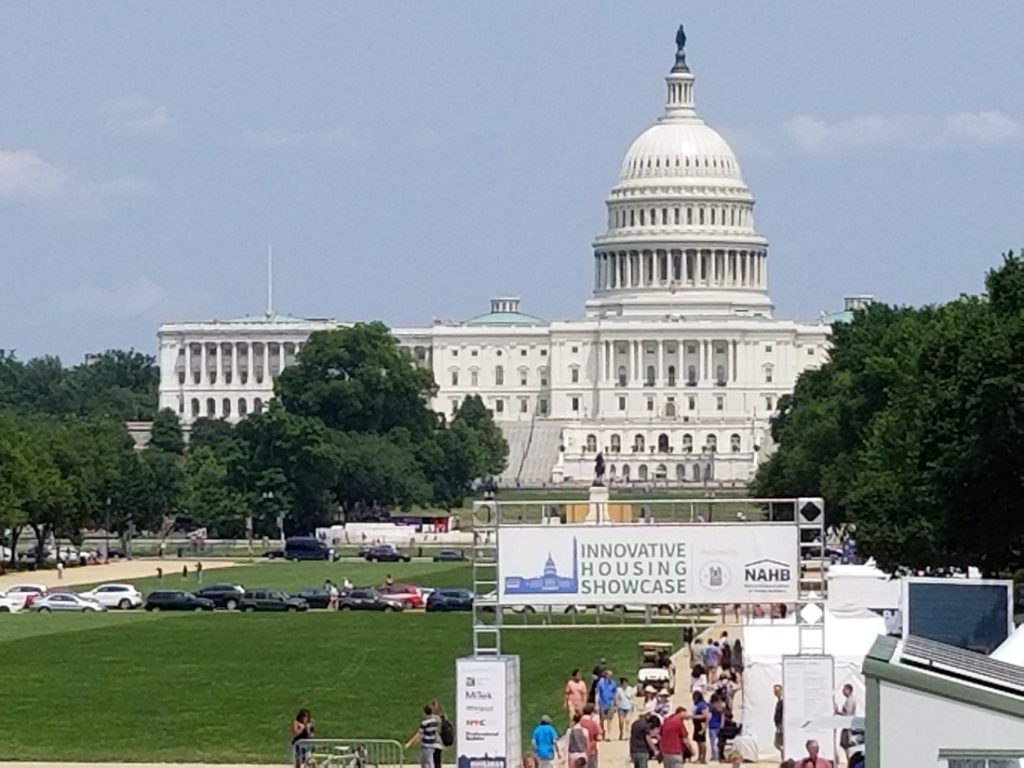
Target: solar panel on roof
[967, 665]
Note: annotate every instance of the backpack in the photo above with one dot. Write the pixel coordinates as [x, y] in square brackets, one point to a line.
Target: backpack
[447, 732]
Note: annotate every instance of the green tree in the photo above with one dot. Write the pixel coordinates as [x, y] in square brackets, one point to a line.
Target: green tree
[166, 433]
[208, 496]
[492, 448]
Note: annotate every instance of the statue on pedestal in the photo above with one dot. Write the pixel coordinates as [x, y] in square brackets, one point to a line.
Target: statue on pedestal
[681, 49]
[599, 469]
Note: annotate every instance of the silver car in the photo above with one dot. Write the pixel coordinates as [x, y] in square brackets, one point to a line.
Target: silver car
[66, 601]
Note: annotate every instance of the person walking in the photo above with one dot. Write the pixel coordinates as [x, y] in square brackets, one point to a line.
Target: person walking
[701, 713]
[673, 741]
[715, 719]
[302, 729]
[642, 746]
[594, 734]
[428, 736]
[575, 695]
[606, 689]
[623, 706]
[545, 743]
[577, 741]
[199, 572]
[777, 720]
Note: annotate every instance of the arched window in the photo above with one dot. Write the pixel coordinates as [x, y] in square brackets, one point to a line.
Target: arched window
[474, 377]
[225, 407]
[691, 375]
[611, 470]
[592, 443]
[676, 214]
[671, 375]
[664, 215]
[499, 376]
[680, 472]
[712, 217]
[625, 472]
[687, 443]
[650, 375]
[622, 376]
[455, 377]
[769, 374]
[701, 216]
[642, 473]
[643, 217]
[616, 443]
[195, 407]
[711, 443]
[257, 405]
[638, 443]
[707, 472]
[696, 472]
[720, 374]
[670, 409]
[632, 218]
[662, 443]
[689, 215]
[661, 472]
[574, 374]
[211, 407]
[243, 407]
[734, 443]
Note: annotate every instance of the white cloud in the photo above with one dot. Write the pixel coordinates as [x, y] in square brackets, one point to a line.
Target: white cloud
[25, 177]
[136, 297]
[273, 139]
[136, 115]
[961, 130]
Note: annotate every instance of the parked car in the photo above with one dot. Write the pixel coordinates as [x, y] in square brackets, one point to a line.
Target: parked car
[369, 600]
[31, 592]
[12, 603]
[274, 554]
[66, 601]
[223, 595]
[308, 548]
[386, 553]
[177, 600]
[450, 556]
[492, 597]
[316, 597]
[272, 600]
[123, 596]
[410, 595]
[450, 600]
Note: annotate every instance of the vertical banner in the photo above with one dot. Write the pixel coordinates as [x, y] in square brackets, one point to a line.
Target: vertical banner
[808, 683]
[488, 723]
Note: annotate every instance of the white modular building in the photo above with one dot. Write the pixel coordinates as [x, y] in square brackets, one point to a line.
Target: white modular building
[672, 371]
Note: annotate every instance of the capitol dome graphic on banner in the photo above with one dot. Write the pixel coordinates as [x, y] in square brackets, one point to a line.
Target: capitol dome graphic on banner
[549, 582]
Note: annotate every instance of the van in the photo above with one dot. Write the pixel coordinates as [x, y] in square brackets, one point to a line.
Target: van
[308, 548]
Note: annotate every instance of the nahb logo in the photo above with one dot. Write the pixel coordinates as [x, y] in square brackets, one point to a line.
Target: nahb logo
[767, 574]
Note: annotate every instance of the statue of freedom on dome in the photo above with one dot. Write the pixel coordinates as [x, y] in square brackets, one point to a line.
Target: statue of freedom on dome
[681, 49]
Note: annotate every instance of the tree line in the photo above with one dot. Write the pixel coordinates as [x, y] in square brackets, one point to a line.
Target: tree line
[913, 431]
[349, 434]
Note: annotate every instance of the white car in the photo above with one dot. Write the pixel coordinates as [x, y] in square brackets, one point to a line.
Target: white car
[28, 592]
[12, 603]
[123, 596]
[66, 601]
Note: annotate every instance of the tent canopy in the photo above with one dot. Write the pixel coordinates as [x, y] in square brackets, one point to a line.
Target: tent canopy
[1011, 650]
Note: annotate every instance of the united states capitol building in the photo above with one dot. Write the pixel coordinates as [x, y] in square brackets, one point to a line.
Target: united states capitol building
[673, 371]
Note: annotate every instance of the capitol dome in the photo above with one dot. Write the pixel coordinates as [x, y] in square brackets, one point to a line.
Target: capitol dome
[680, 236]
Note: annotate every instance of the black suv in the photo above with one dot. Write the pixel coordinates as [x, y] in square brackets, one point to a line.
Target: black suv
[386, 553]
[176, 600]
[222, 595]
[369, 600]
[272, 600]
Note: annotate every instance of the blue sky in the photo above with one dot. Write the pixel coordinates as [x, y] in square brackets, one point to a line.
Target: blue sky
[410, 160]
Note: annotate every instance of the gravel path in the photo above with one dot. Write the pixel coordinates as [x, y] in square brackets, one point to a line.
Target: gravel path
[115, 571]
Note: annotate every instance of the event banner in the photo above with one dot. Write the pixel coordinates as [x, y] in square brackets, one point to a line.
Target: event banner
[648, 564]
[488, 721]
[808, 682]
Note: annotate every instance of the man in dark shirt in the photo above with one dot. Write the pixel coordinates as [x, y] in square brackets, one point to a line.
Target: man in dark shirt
[778, 719]
[641, 741]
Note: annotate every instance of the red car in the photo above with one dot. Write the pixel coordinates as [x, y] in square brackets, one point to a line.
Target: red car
[410, 595]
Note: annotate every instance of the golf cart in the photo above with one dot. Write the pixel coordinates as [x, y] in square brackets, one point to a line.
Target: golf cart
[655, 667]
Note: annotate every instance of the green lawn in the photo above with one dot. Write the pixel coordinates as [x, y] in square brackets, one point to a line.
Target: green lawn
[223, 687]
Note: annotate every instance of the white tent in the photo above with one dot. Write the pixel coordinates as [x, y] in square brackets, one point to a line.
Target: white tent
[863, 585]
[849, 634]
[1011, 650]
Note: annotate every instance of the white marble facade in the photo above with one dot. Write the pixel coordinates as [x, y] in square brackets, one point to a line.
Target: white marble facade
[673, 371]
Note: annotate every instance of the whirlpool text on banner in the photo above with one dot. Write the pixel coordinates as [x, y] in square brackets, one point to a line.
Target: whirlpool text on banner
[648, 564]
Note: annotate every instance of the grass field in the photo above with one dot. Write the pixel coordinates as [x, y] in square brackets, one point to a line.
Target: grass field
[223, 687]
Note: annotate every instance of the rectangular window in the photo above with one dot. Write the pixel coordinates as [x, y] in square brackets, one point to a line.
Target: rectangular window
[575, 404]
[522, 379]
[769, 404]
[768, 375]
[455, 378]
[455, 406]
[767, 347]
[473, 378]
[575, 375]
[622, 403]
[524, 405]
[719, 403]
[543, 407]
[544, 378]
[650, 403]
[473, 353]
[810, 351]
[455, 353]
[499, 406]
[522, 352]
[543, 353]
[692, 403]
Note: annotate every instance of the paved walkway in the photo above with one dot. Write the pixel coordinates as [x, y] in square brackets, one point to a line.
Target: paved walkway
[114, 571]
